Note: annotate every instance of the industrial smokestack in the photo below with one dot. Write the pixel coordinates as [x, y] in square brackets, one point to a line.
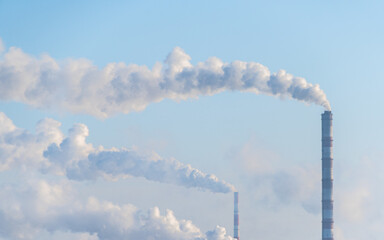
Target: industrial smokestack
[327, 178]
[236, 217]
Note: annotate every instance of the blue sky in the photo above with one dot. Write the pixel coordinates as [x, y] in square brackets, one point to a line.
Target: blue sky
[268, 148]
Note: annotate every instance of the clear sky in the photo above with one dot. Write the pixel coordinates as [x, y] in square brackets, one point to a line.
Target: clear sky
[268, 147]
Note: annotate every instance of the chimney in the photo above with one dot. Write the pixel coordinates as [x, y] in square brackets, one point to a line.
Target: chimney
[327, 178]
[236, 217]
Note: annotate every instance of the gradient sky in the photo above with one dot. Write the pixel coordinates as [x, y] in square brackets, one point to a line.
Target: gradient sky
[268, 148]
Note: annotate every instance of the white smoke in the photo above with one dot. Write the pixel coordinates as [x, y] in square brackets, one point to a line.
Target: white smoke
[72, 156]
[79, 86]
[38, 205]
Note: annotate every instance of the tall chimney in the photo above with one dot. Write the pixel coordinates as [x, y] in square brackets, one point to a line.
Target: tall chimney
[236, 217]
[327, 178]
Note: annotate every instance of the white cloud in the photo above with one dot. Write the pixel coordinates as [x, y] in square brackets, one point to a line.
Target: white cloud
[219, 233]
[275, 183]
[354, 207]
[358, 197]
[23, 149]
[79, 86]
[2, 47]
[73, 157]
[279, 187]
[37, 206]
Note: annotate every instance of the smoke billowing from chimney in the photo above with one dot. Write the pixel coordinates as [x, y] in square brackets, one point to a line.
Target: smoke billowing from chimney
[50, 152]
[78, 86]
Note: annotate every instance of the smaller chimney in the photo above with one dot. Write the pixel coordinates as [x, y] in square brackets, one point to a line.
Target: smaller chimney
[236, 217]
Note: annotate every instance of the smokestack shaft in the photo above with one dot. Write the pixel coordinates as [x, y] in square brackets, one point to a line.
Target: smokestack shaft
[327, 176]
[236, 217]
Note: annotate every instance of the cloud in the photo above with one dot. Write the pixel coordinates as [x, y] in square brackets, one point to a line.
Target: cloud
[19, 148]
[280, 185]
[358, 195]
[2, 47]
[78, 86]
[37, 206]
[275, 183]
[51, 152]
[219, 233]
[300, 185]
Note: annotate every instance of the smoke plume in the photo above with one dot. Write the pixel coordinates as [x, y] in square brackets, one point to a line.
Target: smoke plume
[51, 152]
[78, 86]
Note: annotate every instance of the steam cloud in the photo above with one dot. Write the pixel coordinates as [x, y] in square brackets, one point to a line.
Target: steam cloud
[38, 205]
[79, 86]
[73, 157]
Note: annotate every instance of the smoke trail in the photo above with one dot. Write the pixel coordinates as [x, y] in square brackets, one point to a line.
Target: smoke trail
[79, 86]
[79, 160]
[72, 156]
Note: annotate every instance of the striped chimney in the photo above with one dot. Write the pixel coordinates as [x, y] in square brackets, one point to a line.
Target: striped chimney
[327, 178]
[236, 217]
